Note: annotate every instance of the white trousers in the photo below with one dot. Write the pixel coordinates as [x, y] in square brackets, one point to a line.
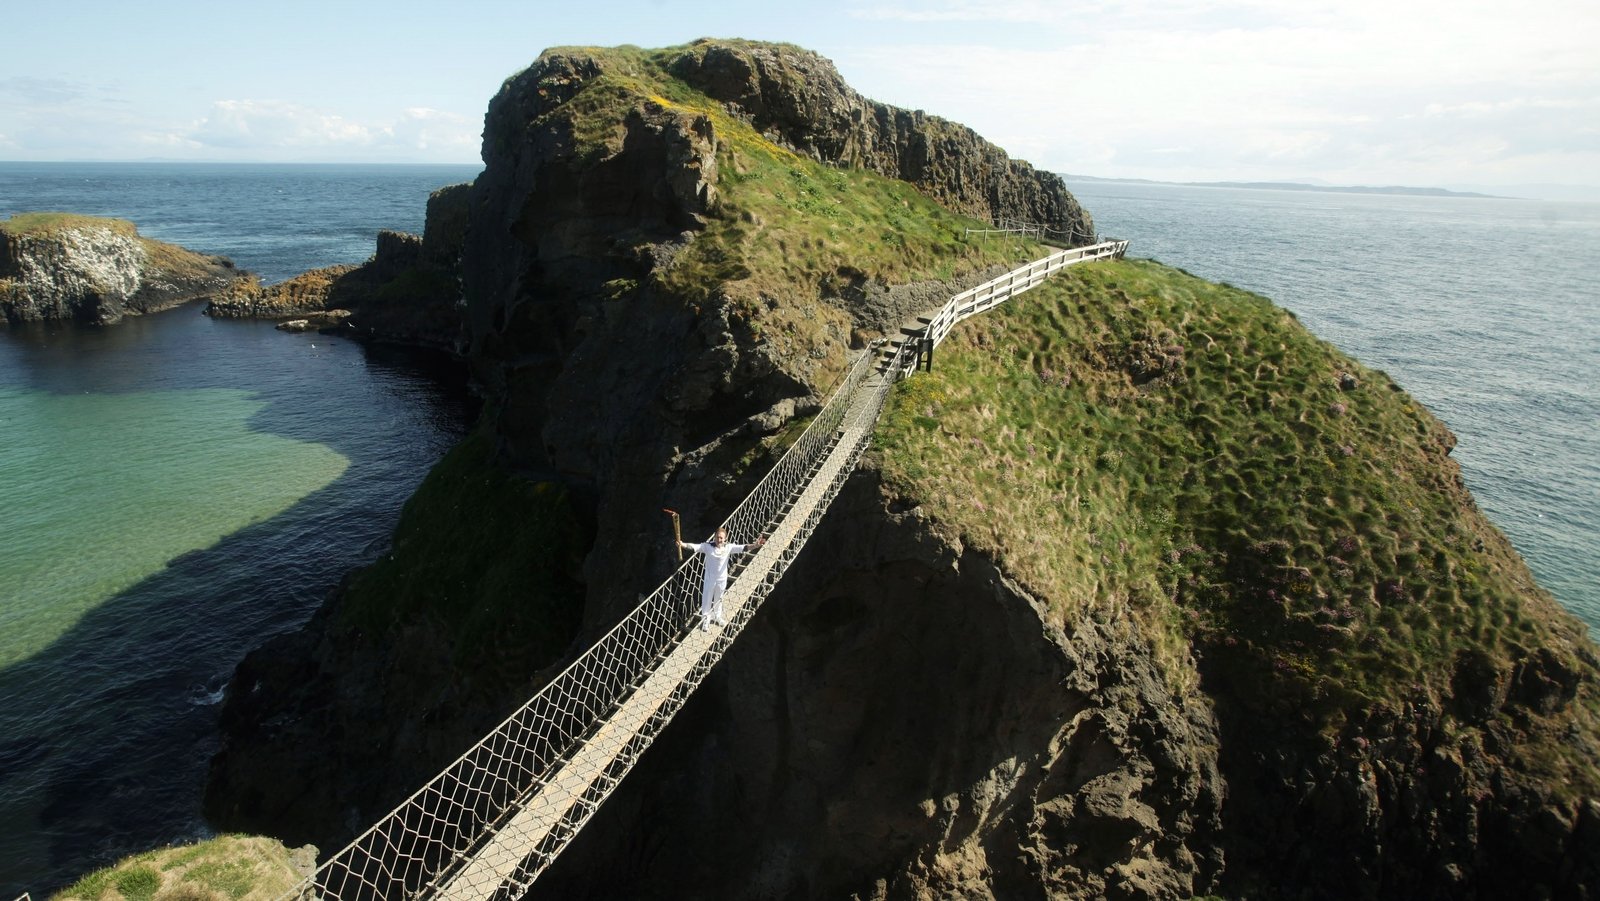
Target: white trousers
[711, 599]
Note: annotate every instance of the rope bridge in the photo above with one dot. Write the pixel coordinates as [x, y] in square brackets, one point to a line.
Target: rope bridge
[494, 819]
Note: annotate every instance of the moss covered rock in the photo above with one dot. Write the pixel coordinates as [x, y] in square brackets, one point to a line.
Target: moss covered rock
[227, 868]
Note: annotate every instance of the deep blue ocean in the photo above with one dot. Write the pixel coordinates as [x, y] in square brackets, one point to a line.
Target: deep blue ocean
[1485, 310]
[176, 489]
[184, 488]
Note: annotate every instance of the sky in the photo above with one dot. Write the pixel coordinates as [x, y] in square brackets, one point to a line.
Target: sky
[1414, 92]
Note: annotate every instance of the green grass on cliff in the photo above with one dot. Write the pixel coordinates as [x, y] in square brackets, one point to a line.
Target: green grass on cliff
[783, 226]
[228, 868]
[487, 556]
[787, 240]
[1131, 439]
[170, 259]
[52, 223]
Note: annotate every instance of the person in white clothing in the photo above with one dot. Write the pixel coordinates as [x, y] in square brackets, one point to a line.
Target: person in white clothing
[718, 554]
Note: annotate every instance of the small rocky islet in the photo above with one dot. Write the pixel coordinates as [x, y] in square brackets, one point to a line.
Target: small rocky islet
[1144, 592]
[63, 266]
[96, 270]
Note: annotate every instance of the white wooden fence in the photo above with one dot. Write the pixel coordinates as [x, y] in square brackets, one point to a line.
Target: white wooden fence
[1036, 230]
[992, 293]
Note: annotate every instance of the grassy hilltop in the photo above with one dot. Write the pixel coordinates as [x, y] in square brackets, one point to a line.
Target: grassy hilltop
[227, 868]
[1129, 437]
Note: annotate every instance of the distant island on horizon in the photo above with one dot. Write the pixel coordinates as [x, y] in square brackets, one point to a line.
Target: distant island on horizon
[1292, 186]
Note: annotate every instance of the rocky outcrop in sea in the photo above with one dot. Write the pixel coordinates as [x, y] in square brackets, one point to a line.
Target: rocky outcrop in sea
[407, 293]
[59, 266]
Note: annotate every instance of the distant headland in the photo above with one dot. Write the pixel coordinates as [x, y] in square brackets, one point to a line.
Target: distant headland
[1291, 186]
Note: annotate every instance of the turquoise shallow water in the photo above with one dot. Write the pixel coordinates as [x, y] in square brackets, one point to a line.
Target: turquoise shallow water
[99, 491]
[1486, 310]
[175, 489]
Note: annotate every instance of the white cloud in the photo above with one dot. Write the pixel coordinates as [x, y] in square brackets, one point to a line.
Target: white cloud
[275, 124]
[1228, 89]
[966, 11]
[42, 90]
[437, 131]
[275, 129]
[1426, 89]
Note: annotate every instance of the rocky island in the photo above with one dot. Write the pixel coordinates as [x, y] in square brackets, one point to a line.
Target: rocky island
[59, 266]
[65, 266]
[1143, 591]
[408, 292]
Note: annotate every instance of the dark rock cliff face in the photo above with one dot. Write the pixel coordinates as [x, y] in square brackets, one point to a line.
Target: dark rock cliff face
[99, 272]
[1415, 801]
[798, 98]
[901, 722]
[326, 728]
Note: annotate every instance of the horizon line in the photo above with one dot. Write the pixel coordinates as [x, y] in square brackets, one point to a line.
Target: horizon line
[480, 164]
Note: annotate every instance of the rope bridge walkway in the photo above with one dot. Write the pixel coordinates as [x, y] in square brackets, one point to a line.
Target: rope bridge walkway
[494, 819]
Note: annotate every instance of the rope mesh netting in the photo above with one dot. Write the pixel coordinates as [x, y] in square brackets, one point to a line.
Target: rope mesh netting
[495, 818]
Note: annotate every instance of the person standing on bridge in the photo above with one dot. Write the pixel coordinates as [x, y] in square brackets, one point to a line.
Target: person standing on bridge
[718, 553]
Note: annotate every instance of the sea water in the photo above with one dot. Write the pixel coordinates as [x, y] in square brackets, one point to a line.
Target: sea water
[1485, 310]
[176, 489]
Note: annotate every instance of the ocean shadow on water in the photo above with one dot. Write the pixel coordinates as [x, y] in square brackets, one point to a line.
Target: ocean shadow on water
[105, 735]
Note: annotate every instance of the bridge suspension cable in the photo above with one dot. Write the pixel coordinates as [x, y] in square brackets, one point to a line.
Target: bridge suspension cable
[497, 816]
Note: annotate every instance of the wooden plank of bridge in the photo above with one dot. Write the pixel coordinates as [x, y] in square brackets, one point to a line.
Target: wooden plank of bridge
[499, 860]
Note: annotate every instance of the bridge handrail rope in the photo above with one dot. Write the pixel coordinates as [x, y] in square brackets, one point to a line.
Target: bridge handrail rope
[752, 517]
[430, 843]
